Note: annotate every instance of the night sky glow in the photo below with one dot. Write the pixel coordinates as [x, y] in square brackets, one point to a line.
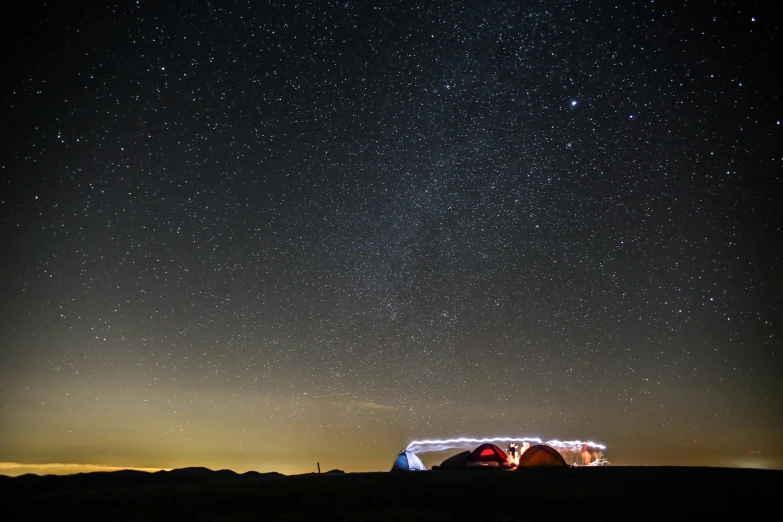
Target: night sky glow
[261, 235]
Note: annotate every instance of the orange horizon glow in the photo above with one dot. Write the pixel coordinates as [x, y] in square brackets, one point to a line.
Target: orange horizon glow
[15, 469]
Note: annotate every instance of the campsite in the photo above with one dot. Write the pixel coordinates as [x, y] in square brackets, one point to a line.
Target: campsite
[565, 493]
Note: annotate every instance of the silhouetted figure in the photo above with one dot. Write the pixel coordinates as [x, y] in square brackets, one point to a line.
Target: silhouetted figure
[513, 457]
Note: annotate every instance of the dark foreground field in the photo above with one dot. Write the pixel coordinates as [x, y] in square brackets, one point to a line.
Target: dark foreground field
[575, 494]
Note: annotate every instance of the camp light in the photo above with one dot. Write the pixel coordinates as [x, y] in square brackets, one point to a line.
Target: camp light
[424, 446]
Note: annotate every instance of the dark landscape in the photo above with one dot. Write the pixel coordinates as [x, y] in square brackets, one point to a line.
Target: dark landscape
[608, 493]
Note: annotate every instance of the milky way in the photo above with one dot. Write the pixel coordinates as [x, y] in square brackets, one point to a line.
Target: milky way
[262, 236]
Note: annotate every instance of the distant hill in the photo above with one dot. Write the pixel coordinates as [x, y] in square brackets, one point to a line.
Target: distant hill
[256, 474]
[130, 478]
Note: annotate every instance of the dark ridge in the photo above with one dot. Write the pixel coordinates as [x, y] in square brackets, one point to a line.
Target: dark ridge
[197, 474]
[256, 474]
[127, 478]
[551, 494]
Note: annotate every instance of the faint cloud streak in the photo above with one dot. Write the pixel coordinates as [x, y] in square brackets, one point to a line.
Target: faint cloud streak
[374, 406]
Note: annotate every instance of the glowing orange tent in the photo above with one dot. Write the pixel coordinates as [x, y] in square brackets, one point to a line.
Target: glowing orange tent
[541, 455]
[487, 456]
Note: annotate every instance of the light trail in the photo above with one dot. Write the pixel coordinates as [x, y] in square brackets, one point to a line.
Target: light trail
[424, 446]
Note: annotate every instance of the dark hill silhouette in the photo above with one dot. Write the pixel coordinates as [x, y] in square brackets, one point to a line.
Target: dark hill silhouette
[551, 494]
[256, 474]
[196, 474]
[128, 478]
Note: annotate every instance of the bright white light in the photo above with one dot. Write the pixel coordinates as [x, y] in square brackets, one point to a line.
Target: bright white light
[424, 446]
[573, 103]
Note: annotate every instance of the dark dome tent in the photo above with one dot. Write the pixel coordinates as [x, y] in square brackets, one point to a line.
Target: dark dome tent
[541, 455]
[456, 461]
[487, 456]
[408, 461]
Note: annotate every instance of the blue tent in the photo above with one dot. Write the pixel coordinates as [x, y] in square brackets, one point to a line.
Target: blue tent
[408, 461]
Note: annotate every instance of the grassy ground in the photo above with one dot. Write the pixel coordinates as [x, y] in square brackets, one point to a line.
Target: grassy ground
[611, 493]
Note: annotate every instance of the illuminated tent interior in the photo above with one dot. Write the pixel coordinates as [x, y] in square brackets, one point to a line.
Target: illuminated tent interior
[541, 455]
[408, 461]
[487, 456]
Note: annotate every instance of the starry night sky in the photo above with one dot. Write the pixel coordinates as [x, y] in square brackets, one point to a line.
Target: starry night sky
[261, 235]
